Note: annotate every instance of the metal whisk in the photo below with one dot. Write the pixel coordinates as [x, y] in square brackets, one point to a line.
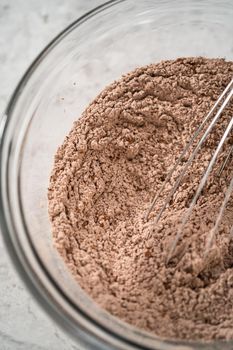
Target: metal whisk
[212, 118]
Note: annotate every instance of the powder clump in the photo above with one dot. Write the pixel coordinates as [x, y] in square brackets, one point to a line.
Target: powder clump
[105, 175]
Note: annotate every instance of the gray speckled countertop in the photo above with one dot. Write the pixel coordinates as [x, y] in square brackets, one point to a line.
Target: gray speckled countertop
[26, 27]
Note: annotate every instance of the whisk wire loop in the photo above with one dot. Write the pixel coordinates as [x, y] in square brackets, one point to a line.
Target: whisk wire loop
[214, 113]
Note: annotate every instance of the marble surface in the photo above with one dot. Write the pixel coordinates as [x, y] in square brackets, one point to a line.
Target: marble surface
[26, 27]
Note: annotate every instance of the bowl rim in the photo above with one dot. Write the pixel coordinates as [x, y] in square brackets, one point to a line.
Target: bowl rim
[9, 232]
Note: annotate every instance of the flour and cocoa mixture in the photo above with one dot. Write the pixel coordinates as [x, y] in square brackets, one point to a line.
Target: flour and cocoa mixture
[104, 178]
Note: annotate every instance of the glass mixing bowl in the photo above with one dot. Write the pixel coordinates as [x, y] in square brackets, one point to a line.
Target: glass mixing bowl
[92, 52]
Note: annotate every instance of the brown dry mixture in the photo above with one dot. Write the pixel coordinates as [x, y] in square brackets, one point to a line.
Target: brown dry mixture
[105, 176]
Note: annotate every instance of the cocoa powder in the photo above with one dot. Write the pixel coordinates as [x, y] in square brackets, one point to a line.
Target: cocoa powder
[104, 178]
